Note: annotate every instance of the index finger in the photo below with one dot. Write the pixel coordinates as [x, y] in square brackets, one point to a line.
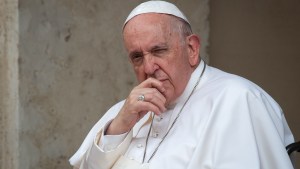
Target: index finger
[152, 83]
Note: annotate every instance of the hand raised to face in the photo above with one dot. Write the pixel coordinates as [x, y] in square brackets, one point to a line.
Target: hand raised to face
[135, 108]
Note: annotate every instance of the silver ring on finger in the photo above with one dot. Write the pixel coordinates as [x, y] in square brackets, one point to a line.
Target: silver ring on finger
[141, 97]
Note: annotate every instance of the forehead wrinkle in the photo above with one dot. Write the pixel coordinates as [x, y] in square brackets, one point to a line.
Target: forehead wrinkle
[159, 45]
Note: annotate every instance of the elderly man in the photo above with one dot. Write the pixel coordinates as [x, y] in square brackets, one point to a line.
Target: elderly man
[183, 114]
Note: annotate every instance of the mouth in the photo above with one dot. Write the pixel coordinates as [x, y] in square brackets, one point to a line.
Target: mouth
[162, 79]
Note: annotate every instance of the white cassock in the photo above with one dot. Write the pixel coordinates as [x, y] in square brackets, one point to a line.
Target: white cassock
[228, 123]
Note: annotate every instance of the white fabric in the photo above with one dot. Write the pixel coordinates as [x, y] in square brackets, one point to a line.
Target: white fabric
[110, 142]
[156, 7]
[126, 163]
[229, 123]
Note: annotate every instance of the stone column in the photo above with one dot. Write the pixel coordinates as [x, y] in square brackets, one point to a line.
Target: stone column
[9, 100]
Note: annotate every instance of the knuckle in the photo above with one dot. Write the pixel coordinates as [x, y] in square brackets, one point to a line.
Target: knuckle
[154, 90]
[150, 98]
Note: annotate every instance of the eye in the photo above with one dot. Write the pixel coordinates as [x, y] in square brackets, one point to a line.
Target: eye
[159, 50]
[136, 58]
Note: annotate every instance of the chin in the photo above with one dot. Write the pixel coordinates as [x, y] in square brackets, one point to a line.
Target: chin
[170, 100]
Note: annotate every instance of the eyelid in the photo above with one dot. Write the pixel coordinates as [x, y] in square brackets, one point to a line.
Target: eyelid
[135, 55]
[158, 49]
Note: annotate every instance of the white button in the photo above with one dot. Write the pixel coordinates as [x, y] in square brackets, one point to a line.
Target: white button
[131, 158]
[159, 118]
[155, 134]
[139, 146]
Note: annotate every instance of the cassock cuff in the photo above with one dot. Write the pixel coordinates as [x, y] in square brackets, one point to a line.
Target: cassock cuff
[97, 158]
[109, 142]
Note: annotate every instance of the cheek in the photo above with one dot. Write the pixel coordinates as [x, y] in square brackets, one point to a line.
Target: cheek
[139, 73]
[170, 93]
[179, 75]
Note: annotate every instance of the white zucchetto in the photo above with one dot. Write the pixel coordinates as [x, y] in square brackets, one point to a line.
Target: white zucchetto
[156, 7]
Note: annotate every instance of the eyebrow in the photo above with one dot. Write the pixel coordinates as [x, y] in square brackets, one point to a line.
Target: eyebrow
[163, 45]
[159, 46]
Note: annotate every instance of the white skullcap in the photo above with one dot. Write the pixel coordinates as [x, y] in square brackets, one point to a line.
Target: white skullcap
[156, 7]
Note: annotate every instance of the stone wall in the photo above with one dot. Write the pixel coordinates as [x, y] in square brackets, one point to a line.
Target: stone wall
[62, 65]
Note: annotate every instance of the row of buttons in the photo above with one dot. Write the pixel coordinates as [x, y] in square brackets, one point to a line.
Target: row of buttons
[154, 133]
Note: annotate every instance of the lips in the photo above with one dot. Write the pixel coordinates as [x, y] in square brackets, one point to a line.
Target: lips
[162, 79]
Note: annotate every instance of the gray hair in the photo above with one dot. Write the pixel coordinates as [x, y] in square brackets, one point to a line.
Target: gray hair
[180, 26]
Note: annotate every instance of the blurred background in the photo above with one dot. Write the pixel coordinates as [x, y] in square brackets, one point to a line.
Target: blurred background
[63, 64]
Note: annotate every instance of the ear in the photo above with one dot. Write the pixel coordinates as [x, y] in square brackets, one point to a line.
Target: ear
[193, 42]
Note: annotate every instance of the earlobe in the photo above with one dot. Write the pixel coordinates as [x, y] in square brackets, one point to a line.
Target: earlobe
[193, 43]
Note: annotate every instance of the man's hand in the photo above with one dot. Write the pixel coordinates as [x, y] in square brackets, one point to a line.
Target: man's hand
[133, 109]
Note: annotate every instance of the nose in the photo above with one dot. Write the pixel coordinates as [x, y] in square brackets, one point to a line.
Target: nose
[150, 65]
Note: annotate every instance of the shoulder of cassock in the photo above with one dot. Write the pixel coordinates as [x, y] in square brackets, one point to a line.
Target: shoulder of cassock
[232, 96]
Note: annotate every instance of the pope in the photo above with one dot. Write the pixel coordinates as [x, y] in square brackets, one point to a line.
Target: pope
[183, 114]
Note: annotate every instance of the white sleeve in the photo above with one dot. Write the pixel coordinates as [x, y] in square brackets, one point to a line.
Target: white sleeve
[104, 158]
[110, 142]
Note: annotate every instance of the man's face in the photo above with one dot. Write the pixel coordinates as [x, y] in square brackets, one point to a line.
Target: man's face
[156, 50]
